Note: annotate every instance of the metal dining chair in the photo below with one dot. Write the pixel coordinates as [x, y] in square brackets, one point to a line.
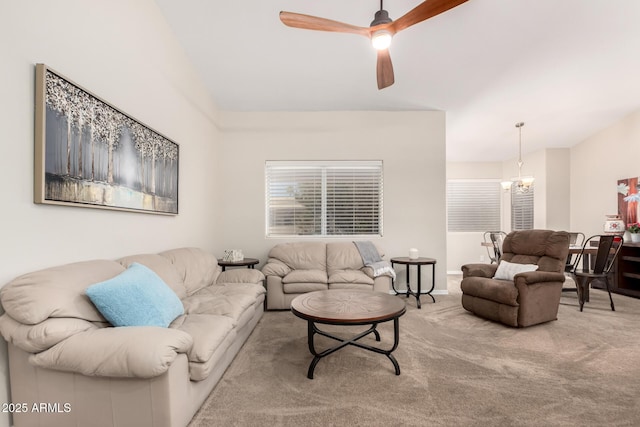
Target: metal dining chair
[495, 249]
[607, 251]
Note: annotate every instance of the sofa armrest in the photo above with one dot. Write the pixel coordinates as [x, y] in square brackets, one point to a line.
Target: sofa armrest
[241, 275]
[136, 351]
[479, 270]
[533, 277]
[43, 335]
[275, 267]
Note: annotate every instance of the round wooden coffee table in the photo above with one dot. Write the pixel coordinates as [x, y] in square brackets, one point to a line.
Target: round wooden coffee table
[348, 307]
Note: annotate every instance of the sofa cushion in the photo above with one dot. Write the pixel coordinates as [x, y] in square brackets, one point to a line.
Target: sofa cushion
[305, 276]
[507, 270]
[136, 297]
[343, 256]
[350, 276]
[199, 371]
[229, 300]
[351, 286]
[300, 288]
[301, 255]
[57, 292]
[241, 275]
[198, 268]
[162, 267]
[207, 330]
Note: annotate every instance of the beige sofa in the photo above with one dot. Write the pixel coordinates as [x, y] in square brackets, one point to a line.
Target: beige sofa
[295, 268]
[63, 352]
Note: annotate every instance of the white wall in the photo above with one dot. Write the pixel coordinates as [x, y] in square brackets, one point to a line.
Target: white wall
[558, 173]
[596, 166]
[410, 144]
[124, 52]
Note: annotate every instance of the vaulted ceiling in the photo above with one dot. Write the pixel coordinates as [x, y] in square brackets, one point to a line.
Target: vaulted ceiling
[567, 68]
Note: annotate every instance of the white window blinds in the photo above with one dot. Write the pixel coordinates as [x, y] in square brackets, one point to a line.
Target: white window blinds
[473, 205]
[521, 209]
[323, 198]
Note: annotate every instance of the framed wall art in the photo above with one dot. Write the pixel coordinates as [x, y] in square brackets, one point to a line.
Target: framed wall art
[90, 154]
[628, 198]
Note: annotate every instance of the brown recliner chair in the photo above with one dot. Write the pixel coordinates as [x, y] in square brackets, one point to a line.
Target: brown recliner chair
[531, 297]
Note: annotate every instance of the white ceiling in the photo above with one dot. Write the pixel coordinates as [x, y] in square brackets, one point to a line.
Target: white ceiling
[567, 68]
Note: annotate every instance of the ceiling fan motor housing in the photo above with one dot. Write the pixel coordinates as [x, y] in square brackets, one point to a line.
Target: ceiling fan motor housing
[381, 17]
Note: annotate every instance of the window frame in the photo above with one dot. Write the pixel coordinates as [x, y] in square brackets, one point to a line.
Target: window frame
[324, 167]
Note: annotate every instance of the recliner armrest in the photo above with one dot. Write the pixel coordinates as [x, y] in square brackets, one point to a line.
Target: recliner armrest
[533, 277]
[479, 270]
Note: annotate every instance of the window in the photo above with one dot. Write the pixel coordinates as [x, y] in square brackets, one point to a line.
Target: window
[473, 205]
[336, 198]
[521, 209]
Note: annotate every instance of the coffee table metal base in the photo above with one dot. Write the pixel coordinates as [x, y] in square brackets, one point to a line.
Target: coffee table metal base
[312, 330]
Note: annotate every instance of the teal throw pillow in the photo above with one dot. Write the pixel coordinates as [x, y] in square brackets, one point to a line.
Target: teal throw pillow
[136, 297]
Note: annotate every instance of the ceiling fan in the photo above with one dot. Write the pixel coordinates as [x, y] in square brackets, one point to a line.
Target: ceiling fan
[380, 31]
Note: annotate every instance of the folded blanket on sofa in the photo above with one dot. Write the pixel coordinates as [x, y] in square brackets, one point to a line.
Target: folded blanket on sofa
[371, 258]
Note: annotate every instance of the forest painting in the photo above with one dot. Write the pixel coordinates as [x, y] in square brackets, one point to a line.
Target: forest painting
[90, 154]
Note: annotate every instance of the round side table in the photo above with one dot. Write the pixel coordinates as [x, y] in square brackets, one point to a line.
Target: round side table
[247, 262]
[418, 262]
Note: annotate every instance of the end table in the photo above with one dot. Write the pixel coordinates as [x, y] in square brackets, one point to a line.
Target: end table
[246, 262]
[418, 262]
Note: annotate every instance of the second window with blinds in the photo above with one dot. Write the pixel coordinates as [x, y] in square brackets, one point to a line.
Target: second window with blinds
[473, 205]
[323, 198]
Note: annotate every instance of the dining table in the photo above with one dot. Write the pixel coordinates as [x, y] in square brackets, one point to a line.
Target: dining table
[586, 258]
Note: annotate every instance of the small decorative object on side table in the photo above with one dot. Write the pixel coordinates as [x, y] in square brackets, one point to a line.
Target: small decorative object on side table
[246, 262]
[419, 262]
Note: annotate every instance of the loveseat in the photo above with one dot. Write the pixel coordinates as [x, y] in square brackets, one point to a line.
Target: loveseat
[524, 288]
[62, 351]
[295, 268]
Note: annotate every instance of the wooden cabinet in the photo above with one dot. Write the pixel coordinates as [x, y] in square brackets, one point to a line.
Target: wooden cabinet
[627, 274]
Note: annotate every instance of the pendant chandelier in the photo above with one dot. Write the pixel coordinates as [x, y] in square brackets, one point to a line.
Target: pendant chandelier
[522, 183]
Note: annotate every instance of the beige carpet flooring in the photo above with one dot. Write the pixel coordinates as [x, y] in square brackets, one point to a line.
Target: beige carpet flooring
[457, 370]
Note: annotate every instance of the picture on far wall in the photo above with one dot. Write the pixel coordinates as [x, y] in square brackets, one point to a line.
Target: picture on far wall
[628, 199]
[90, 154]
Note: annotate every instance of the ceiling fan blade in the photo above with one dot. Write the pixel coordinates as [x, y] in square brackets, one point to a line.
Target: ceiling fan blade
[424, 10]
[384, 69]
[308, 22]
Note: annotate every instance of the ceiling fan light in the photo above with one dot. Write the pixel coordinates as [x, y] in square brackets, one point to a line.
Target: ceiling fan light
[381, 39]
